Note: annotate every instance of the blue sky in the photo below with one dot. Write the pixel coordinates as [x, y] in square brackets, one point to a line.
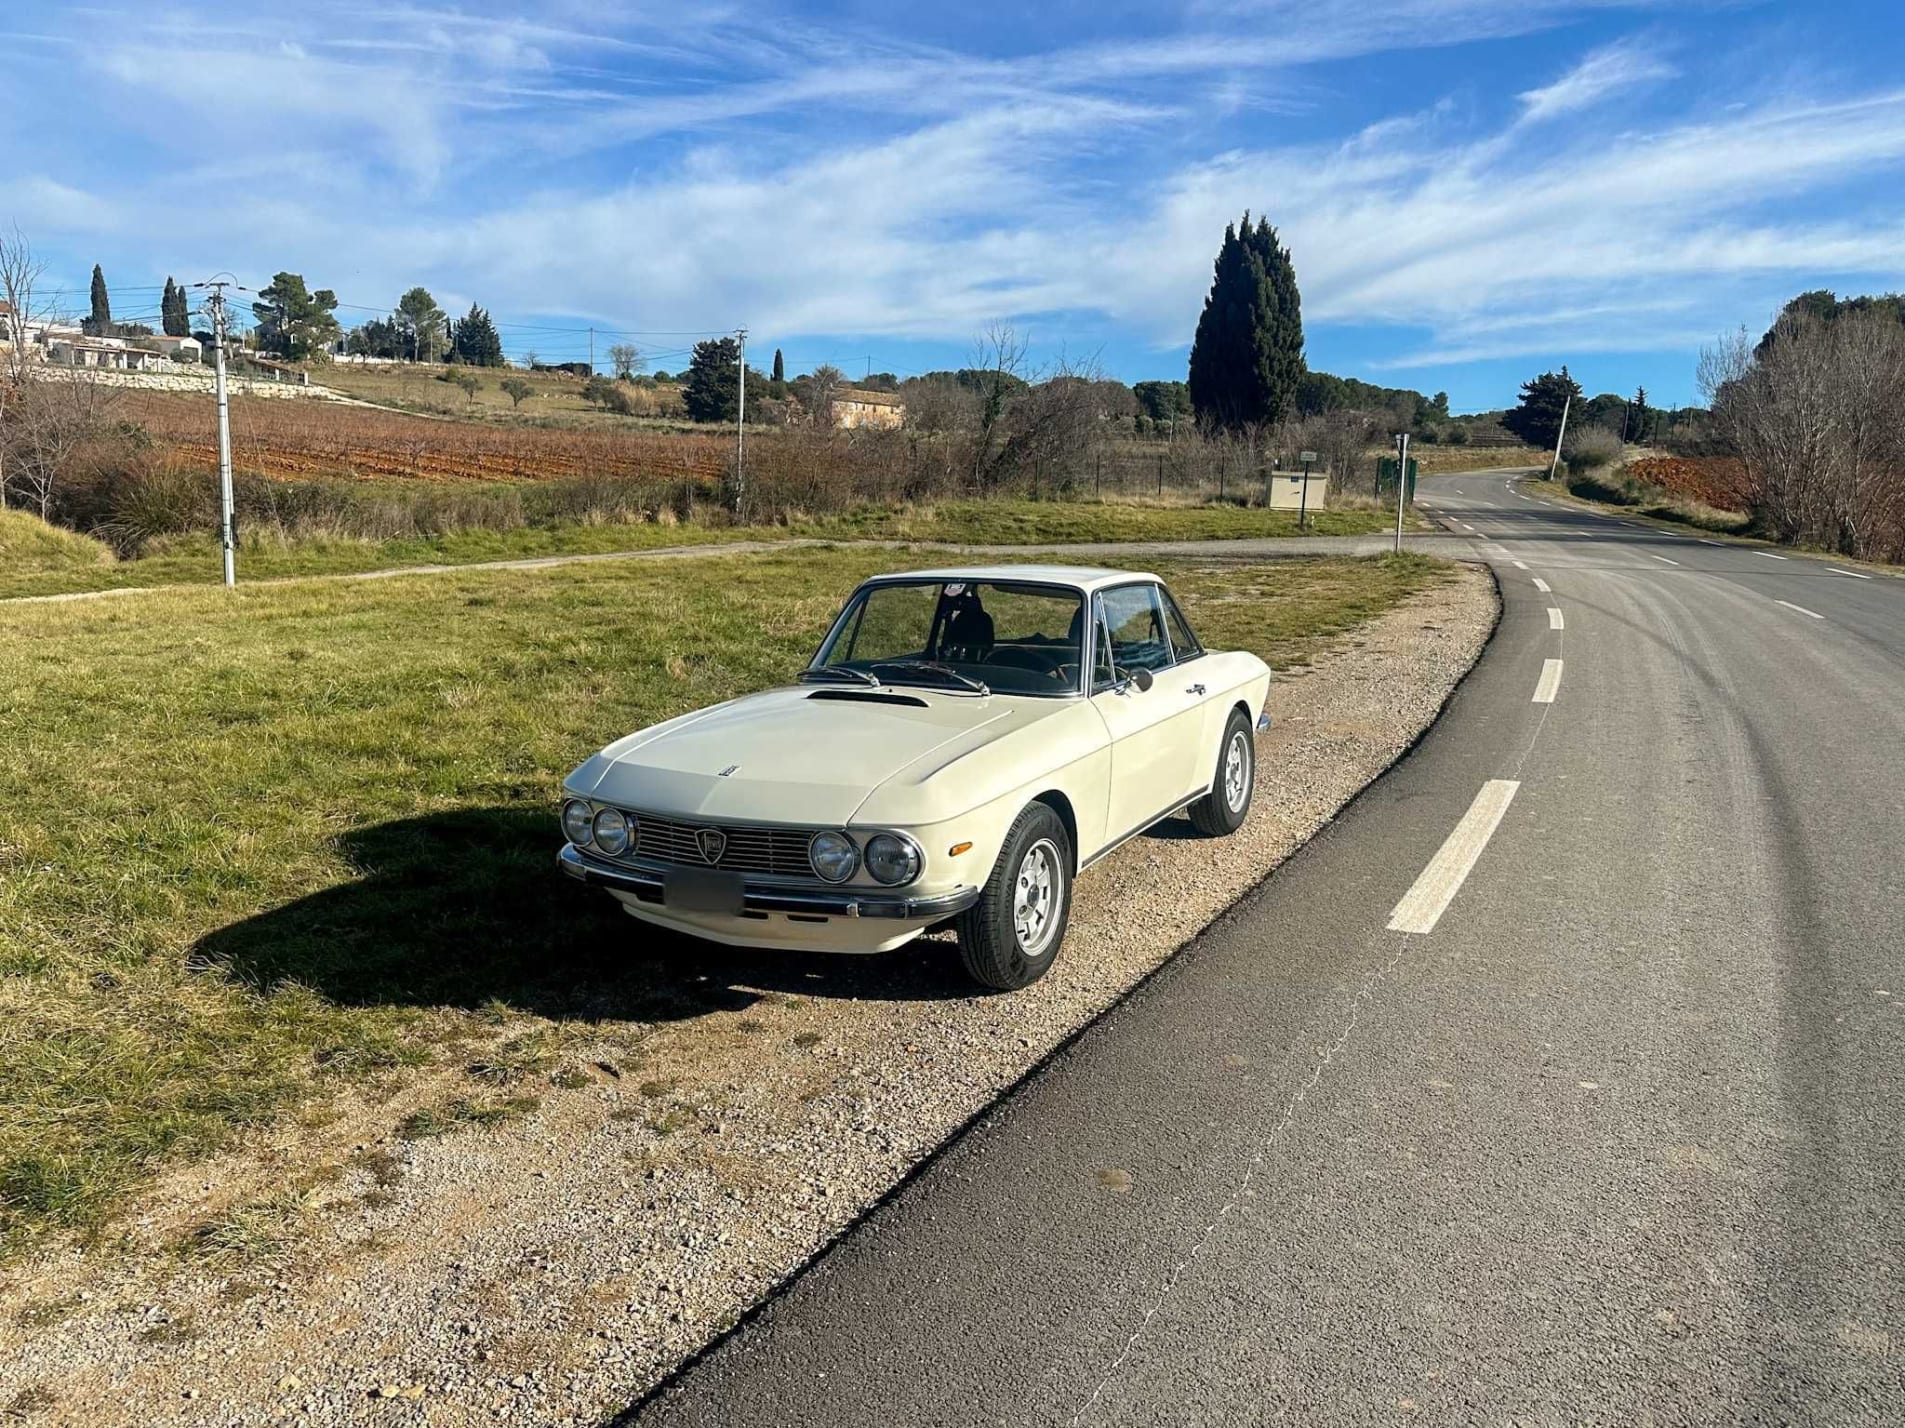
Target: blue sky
[1472, 190]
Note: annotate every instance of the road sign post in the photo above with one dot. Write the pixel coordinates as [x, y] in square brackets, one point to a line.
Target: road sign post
[1402, 482]
[1308, 458]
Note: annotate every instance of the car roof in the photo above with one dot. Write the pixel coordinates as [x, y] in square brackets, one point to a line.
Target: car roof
[1079, 577]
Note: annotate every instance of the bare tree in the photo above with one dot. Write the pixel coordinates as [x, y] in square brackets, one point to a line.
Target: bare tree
[1813, 414]
[51, 423]
[19, 272]
[999, 360]
[822, 387]
[626, 358]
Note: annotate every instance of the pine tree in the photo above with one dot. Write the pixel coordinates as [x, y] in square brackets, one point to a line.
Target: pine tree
[1537, 420]
[1643, 421]
[422, 321]
[711, 391]
[780, 367]
[100, 323]
[475, 340]
[1247, 357]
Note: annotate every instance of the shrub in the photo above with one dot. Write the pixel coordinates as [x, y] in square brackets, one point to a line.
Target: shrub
[608, 395]
[1590, 449]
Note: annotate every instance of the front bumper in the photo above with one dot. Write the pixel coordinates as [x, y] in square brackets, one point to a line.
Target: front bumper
[769, 897]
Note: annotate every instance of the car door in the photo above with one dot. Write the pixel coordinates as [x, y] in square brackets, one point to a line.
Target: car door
[1189, 665]
[1153, 731]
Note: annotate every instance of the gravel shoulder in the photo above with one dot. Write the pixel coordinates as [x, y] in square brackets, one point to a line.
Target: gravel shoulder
[552, 1269]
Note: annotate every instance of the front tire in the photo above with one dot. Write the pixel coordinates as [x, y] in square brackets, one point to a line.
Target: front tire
[1010, 937]
[1222, 811]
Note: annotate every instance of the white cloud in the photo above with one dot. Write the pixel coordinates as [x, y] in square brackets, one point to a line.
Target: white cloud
[810, 182]
[1617, 66]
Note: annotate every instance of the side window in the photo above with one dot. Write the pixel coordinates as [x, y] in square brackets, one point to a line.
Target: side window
[1136, 623]
[1184, 644]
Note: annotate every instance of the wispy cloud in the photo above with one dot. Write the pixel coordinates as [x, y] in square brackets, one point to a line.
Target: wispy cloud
[1613, 67]
[821, 176]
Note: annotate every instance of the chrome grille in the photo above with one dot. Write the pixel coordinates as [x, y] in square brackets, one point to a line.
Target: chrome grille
[777, 852]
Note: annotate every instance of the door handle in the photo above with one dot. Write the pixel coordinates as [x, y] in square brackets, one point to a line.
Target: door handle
[1195, 689]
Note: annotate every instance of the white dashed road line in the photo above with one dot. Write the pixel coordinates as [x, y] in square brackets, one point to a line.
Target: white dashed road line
[1661, 558]
[1800, 608]
[1541, 585]
[1855, 574]
[1704, 541]
[1519, 565]
[1554, 619]
[1549, 683]
[1769, 555]
[1425, 902]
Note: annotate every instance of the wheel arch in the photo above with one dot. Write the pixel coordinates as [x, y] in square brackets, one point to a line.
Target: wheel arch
[1056, 800]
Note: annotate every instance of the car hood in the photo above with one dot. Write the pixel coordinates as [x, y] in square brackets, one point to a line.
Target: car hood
[807, 755]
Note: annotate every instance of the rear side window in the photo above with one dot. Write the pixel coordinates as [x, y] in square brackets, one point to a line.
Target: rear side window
[1184, 644]
[1136, 623]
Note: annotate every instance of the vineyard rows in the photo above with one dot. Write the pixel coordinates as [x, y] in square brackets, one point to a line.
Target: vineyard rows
[290, 440]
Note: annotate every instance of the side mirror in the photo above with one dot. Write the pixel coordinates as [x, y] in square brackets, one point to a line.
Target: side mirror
[1142, 678]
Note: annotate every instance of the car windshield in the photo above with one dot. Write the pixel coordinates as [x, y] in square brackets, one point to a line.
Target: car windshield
[958, 634]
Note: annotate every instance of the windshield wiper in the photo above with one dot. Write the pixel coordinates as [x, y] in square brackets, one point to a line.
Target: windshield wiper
[934, 667]
[838, 671]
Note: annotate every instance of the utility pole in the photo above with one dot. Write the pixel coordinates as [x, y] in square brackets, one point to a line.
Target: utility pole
[740, 427]
[1566, 402]
[215, 306]
[591, 351]
[1402, 482]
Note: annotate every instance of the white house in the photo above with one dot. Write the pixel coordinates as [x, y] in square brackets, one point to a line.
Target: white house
[183, 349]
[104, 352]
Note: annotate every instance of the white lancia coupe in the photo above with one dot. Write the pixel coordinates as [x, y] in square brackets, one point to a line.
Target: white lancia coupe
[964, 742]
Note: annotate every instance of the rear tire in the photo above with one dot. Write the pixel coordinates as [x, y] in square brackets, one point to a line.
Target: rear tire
[1222, 811]
[1010, 937]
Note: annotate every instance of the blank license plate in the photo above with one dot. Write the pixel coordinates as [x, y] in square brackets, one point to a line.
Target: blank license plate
[702, 890]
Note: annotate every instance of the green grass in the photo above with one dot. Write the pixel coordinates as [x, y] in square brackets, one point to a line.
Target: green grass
[30, 549]
[1017, 522]
[194, 560]
[255, 846]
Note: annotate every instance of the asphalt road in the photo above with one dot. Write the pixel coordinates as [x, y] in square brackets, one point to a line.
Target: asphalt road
[1558, 1082]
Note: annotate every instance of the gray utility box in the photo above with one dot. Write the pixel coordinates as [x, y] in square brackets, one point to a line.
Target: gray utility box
[1286, 491]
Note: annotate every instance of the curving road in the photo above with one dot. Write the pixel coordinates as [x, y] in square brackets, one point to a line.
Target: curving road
[1558, 1082]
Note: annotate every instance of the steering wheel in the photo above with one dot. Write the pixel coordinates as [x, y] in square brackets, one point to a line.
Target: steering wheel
[1037, 661]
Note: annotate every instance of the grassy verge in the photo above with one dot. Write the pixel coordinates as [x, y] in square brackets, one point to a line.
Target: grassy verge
[195, 559]
[1608, 491]
[257, 847]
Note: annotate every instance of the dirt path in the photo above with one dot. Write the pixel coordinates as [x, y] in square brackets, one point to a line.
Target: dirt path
[551, 1270]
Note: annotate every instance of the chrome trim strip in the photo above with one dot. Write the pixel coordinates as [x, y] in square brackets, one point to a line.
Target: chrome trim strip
[757, 897]
[1151, 822]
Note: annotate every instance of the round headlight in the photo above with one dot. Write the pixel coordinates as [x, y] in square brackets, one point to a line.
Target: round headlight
[576, 816]
[833, 856]
[611, 831]
[892, 860]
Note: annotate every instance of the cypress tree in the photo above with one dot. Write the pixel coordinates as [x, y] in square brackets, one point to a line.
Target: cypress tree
[1247, 357]
[780, 367]
[175, 319]
[100, 323]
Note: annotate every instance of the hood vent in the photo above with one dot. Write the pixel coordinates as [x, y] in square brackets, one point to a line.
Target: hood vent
[868, 696]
